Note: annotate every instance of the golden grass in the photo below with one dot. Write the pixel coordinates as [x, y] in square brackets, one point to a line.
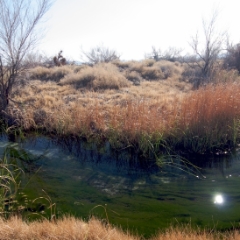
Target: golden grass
[53, 74]
[209, 117]
[72, 228]
[196, 120]
[100, 76]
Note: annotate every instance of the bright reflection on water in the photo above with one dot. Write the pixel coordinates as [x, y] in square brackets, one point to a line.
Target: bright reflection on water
[218, 199]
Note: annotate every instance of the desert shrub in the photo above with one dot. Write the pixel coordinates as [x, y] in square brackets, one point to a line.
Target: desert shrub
[101, 54]
[78, 68]
[193, 74]
[147, 70]
[52, 74]
[232, 58]
[101, 76]
[136, 66]
[120, 64]
[83, 78]
[58, 73]
[168, 68]
[225, 76]
[41, 73]
[133, 76]
[152, 73]
[148, 62]
[171, 54]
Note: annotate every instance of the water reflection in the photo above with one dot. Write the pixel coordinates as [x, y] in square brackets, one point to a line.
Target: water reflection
[218, 199]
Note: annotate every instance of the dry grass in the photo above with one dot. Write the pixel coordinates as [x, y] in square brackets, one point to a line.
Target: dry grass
[71, 228]
[115, 108]
[67, 228]
[209, 117]
[190, 234]
[100, 76]
[52, 74]
[151, 70]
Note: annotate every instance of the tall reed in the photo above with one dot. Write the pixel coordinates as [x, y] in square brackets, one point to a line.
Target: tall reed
[204, 120]
[208, 118]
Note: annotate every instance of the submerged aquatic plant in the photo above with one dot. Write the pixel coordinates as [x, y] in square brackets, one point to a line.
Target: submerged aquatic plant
[13, 201]
[9, 186]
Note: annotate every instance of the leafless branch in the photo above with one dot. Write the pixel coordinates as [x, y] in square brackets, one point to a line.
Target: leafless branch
[101, 54]
[18, 22]
[208, 47]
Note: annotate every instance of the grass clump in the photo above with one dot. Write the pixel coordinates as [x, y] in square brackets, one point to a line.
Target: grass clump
[99, 77]
[72, 228]
[147, 70]
[134, 77]
[51, 74]
[208, 118]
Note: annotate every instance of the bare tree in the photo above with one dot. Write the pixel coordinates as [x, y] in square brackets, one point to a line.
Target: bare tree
[171, 54]
[18, 22]
[208, 50]
[101, 54]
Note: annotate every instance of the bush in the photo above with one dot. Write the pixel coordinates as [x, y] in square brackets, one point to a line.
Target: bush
[147, 69]
[41, 73]
[168, 68]
[193, 74]
[101, 76]
[101, 54]
[52, 74]
[152, 73]
[133, 76]
[121, 65]
[232, 58]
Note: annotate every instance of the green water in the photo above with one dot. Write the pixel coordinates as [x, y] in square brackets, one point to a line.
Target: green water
[136, 194]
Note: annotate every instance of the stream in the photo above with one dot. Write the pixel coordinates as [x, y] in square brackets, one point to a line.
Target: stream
[130, 191]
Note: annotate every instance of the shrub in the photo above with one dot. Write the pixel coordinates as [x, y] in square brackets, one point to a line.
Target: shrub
[148, 62]
[171, 54]
[101, 54]
[232, 58]
[133, 76]
[52, 74]
[152, 73]
[147, 70]
[120, 64]
[193, 74]
[168, 68]
[225, 76]
[101, 76]
[41, 73]
[58, 73]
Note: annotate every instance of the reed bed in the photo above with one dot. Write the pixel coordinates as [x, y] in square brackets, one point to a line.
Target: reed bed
[72, 228]
[209, 118]
[202, 121]
[167, 113]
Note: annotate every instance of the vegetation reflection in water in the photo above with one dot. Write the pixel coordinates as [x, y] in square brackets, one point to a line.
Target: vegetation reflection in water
[136, 193]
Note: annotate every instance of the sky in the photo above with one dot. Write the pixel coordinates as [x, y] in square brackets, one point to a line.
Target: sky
[131, 27]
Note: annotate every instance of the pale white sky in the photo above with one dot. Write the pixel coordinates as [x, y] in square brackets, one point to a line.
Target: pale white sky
[131, 27]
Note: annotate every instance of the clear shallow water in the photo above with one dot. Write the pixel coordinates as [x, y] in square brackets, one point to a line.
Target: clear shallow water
[136, 193]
